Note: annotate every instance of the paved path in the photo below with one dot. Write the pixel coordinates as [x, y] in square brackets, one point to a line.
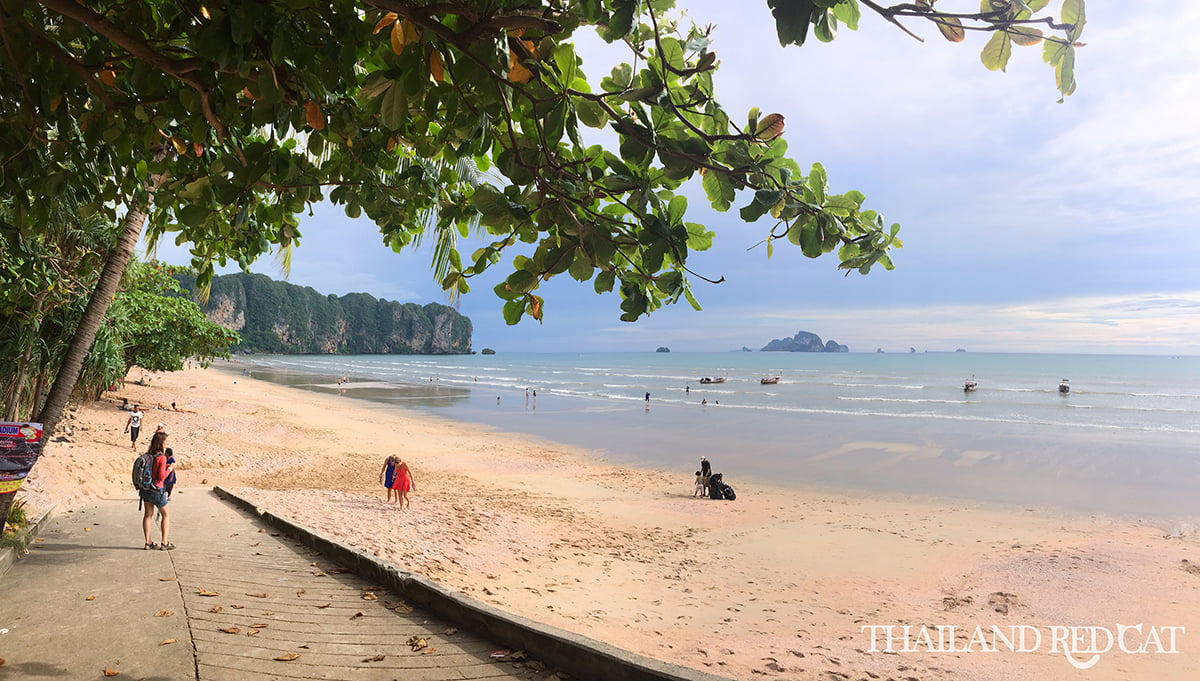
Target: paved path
[234, 596]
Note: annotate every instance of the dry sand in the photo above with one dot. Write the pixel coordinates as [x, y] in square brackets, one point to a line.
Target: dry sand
[778, 584]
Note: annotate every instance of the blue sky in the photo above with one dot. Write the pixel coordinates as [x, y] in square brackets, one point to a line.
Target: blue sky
[1028, 225]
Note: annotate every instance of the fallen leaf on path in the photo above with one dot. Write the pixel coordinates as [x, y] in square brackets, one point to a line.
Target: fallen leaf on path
[274, 534]
[417, 643]
[88, 529]
[450, 632]
[317, 573]
[257, 595]
[370, 597]
[337, 570]
[237, 607]
[372, 588]
[500, 654]
[377, 658]
[288, 657]
[428, 651]
[230, 630]
[166, 579]
[216, 608]
[255, 543]
[301, 592]
[206, 592]
[268, 613]
[169, 641]
[262, 530]
[164, 613]
[324, 605]
[259, 626]
[90, 598]
[252, 632]
[398, 606]
[234, 534]
[111, 672]
[357, 615]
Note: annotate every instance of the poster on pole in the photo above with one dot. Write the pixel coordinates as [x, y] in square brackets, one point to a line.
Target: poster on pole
[20, 445]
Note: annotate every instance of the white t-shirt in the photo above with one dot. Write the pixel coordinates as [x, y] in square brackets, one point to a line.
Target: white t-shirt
[135, 419]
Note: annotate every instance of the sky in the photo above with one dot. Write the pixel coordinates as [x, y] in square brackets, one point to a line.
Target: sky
[1028, 225]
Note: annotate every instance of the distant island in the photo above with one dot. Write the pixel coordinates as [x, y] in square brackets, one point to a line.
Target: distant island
[663, 348]
[804, 341]
[278, 317]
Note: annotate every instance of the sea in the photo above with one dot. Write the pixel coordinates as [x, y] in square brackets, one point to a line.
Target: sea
[1123, 442]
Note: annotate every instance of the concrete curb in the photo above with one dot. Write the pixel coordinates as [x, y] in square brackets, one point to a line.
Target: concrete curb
[8, 554]
[580, 656]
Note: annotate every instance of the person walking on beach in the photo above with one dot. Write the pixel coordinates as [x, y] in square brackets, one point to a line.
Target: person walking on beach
[133, 425]
[156, 497]
[403, 484]
[387, 477]
[705, 473]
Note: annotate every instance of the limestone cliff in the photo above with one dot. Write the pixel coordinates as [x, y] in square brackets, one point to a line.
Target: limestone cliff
[278, 317]
[803, 341]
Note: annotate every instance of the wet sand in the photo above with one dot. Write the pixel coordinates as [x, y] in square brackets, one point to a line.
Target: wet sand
[781, 583]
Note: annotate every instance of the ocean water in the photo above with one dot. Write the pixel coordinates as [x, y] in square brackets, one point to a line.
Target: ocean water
[1124, 440]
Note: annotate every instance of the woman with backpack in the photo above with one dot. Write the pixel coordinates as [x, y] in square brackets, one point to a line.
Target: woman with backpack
[156, 496]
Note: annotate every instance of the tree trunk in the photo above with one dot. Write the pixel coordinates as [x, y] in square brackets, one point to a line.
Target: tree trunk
[93, 314]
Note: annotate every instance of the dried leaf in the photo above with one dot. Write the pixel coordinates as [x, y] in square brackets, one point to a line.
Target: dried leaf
[288, 657]
[255, 544]
[398, 606]
[1025, 35]
[230, 630]
[216, 608]
[259, 626]
[770, 127]
[370, 597]
[257, 595]
[90, 598]
[387, 20]
[268, 613]
[377, 658]
[166, 579]
[314, 116]
[436, 68]
[417, 642]
[237, 607]
[952, 28]
[357, 615]
[337, 570]
[252, 632]
[109, 78]
[517, 72]
[164, 613]
[429, 651]
[318, 573]
[397, 37]
[169, 641]
[450, 632]
[301, 592]
[372, 588]
[324, 605]
[206, 592]
[111, 672]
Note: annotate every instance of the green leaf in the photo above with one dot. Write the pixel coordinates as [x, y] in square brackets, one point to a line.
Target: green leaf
[192, 216]
[393, 110]
[996, 53]
[491, 204]
[513, 311]
[719, 190]
[604, 281]
[699, 238]
[848, 13]
[1073, 13]
[792, 18]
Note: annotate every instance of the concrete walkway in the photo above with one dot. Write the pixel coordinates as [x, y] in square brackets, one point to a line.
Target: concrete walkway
[229, 603]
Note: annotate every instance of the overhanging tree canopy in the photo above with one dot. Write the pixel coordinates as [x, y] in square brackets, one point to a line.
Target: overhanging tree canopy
[255, 110]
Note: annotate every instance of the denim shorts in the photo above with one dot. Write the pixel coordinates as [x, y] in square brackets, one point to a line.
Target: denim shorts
[154, 497]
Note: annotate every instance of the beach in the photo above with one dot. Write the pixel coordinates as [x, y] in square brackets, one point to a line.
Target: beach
[784, 582]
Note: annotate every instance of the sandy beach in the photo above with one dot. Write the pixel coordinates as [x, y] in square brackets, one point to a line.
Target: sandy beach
[781, 583]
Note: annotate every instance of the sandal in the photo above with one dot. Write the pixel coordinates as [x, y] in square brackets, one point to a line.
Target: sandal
[167, 547]
[151, 545]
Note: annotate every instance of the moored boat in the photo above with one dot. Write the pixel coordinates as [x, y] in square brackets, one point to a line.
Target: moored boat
[970, 385]
[708, 380]
[1064, 387]
[769, 380]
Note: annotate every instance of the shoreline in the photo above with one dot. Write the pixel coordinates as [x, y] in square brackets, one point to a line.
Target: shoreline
[778, 583]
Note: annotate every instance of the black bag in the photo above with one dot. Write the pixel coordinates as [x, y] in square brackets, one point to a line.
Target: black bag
[729, 494]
